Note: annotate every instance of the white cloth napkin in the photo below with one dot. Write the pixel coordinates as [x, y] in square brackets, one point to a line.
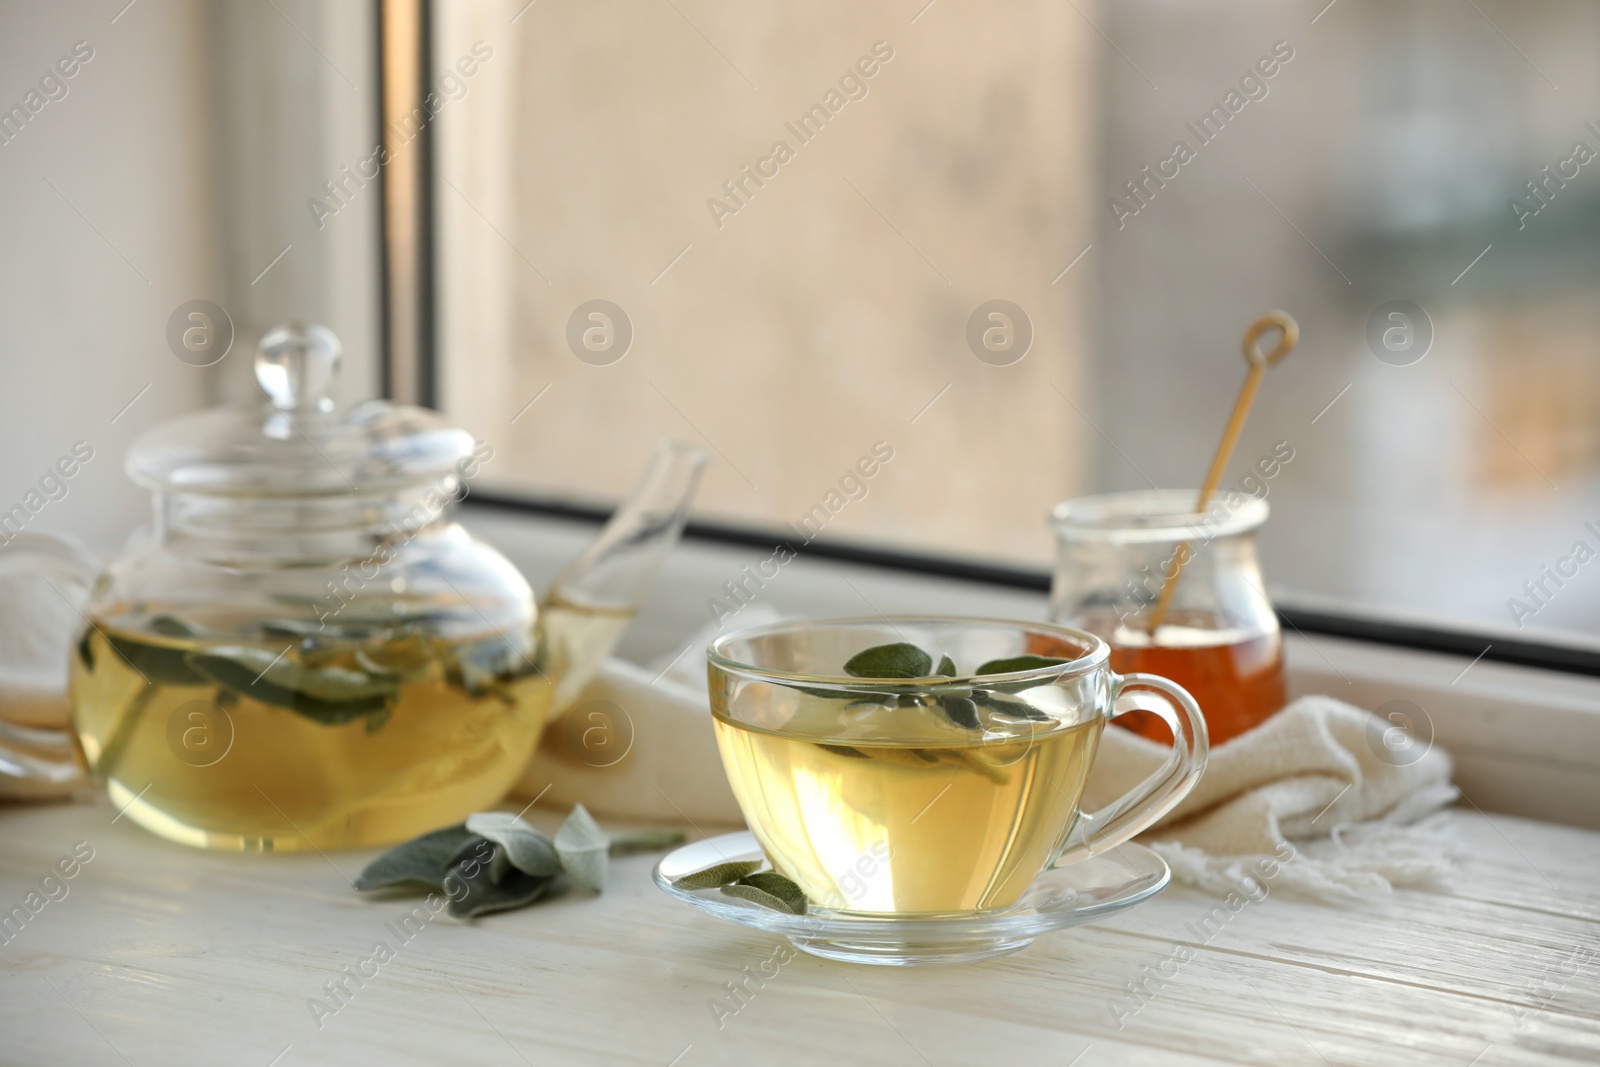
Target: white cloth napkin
[635, 747]
[1313, 801]
[1320, 788]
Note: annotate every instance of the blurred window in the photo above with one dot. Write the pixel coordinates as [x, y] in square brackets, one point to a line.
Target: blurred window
[1004, 254]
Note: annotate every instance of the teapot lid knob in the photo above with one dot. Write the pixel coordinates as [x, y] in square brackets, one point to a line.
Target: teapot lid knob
[296, 365]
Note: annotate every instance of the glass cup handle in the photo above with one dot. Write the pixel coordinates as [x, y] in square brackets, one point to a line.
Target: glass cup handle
[38, 760]
[1138, 809]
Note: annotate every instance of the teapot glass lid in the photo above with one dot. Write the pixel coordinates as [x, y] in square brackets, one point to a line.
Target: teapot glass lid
[297, 442]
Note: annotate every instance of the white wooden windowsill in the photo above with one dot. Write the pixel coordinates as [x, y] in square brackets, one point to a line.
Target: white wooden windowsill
[162, 954]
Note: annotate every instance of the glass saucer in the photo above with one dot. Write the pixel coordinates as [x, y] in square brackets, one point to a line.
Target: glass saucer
[1081, 892]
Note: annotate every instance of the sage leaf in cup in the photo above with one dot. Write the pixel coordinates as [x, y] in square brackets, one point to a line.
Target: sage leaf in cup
[423, 861]
[899, 660]
[526, 848]
[960, 710]
[1013, 708]
[947, 667]
[1013, 664]
[717, 875]
[583, 848]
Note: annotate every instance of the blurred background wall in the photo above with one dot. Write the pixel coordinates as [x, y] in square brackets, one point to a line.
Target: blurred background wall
[819, 310]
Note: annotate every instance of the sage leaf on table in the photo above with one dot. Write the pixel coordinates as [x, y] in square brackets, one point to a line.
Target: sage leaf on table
[423, 861]
[583, 848]
[495, 861]
[473, 889]
[526, 848]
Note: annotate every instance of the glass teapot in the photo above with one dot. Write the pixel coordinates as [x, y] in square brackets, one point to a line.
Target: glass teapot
[310, 652]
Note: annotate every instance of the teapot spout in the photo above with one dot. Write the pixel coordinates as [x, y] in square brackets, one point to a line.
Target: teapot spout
[591, 601]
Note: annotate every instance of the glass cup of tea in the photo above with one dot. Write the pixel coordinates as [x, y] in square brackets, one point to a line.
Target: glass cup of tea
[1217, 636]
[957, 774]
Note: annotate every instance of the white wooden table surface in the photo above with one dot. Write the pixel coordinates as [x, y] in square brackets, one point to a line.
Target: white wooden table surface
[160, 954]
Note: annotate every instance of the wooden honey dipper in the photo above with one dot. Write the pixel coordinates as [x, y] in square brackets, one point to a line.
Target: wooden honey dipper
[1289, 336]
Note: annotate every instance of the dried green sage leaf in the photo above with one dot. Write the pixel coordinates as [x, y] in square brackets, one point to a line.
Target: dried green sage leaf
[947, 667]
[899, 660]
[1013, 708]
[500, 865]
[583, 848]
[329, 695]
[172, 626]
[718, 874]
[478, 667]
[474, 892]
[777, 885]
[644, 840]
[422, 861]
[479, 873]
[961, 711]
[1014, 664]
[759, 896]
[526, 848]
[160, 664]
